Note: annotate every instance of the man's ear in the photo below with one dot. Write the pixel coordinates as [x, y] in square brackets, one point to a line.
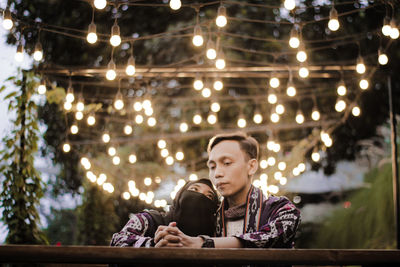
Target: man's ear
[252, 167]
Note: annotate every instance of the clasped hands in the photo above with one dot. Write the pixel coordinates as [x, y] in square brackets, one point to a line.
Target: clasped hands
[171, 236]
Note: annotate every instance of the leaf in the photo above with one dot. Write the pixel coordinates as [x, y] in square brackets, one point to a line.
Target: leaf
[10, 95]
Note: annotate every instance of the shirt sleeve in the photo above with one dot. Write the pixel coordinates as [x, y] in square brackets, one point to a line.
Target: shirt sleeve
[279, 228]
[138, 232]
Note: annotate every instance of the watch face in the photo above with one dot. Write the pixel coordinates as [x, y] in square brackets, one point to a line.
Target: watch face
[208, 243]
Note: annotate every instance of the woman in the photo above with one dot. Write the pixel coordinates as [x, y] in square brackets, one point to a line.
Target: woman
[193, 210]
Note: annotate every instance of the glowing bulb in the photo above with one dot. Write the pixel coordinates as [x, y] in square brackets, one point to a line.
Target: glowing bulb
[118, 103]
[241, 122]
[206, 92]
[386, 28]
[128, 129]
[382, 57]
[220, 62]
[169, 160]
[100, 4]
[116, 160]
[38, 54]
[91, 120]
[92, 36]
[283, 180]
[301, 167]
[212, 118]
[270, 145]
[218, 85]
[274, 82]
[291, 90]
[301, 55]
[19, 56]
[146, 104]
[79, 115]
[294, 40]
[364, 84]
[130, 67]
[197, 38]
[215, 107]
[280, 109]
[161, 144]
[394, 32]
[132, 158]
[137, 106]
[74, 129]
[175, 4]
[221, 20]
[115, 39]
[289, 4]
[282, 166]
[315, 115]
[277, 175]
[198, 84]
[164, 152]
[66, 147]
[42, 88]
[257, 118]
[341, 90]
[193, 177]
[299, 117]
[274, 117]
[112, 151]
[356, 111]
[147, 181]
[126, 195]
[340, 105]
[315, 156]
[70, 95]
[360, 68]
[183, 127]
[211, 51]
[80, 106]
[272, 99]
[106, 137]
[271, 161]
[139, 119]
[179, 155]
[197, 119]
[111, 74]
[296, 171]
[151, 121]
[7, 20]
[333, 23]
[67, 105]
[303, 72]
[276, 147]
[328, 142]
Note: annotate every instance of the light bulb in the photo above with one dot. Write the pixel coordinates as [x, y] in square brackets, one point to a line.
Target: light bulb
[7, 20]
[241, 123]
[257, 118]
[175, 4]
[197, 37]
[299, 117]
[220, 62]
[130, 67]
[328, 142]
[139, 119]
[304, 72]
[211, 51]
[79, 115]
[277, 175]
[272, 99]
[291, 90]
[301, 55]
[19, 56]
[212, 118]
[215, 107]
[66, 147]
[271, 161]
[221, 20]
[340, 105]
[106, 137]
[263, 164]
[364, 84]
[151, 121]
[161, 144]
[74, 129]
[274, 82]
[132, 158]
[137, 106]
[315, 115]
[294, 40]
[386, 28]
[179, 155]
[282, 166]
[197, 119]
[193, 177]
[276, 147]
[115, 39]
[128, 129]
[92, 36]
[169, 160]
[183, 127]
[126, 195]
[341, 89]
[111, 74]
[360, 68]
[100, 4]
[198, 83]
[315, 156]
[394, 32]
[283, 180]
[218, 85]
[280, 109]
[289, 4]
[164, 152]
[70, 95]
[382, 57]
[118, 102]
[38, 54]
[274, 117]
[42, 88]
[146, 104]
[206, 92]
[116, 160]
[356, 111]
[91, 120]
[112, 151]
[301, 167]
[333, 23]
[270, 144]
[67, 105]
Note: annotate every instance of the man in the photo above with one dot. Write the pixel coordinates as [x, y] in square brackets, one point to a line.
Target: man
[246, 217]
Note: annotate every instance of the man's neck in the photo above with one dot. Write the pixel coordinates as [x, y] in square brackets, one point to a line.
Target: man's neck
[240, 197]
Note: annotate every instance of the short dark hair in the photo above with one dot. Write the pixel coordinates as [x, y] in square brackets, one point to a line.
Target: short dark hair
[247, 143]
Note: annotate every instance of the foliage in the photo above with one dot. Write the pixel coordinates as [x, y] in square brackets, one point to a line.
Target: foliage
[62, 227]
[21, 183]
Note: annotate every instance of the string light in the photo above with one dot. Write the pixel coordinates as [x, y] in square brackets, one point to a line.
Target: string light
[118, 102]
[221, 20]
[218, 85]
[215, 107]
[299, 117]
[301, 55]
[164, 152]
[301, 167]
[149, 111]
[289, 4]
[106, 137]
[394, 32]
[241, 122]
[271, 161]
[303, 71]
[183, 127]
[197, 37]
[147, 181]
[212, 118]
[139, 119]
[220, 62]
[92, 36]
[272, 98]
[274, 81]
[263, 164]
[91, 120]
[356, 111]
[273, 189]
[179, 155]
[86, 163]
[198, 83]
[169, 160]
[333, 23]
[130, 67]
[193, 177]
[206, 92]
[132, 158]
[340, 105]
[42, 88]
[80, 106]
[294, 40]
[175, 4]
[137, 106]
[270, 144]
[128, 129]
[74, 129]
[197, 119]
[274, 117]
[66, 147]
[283, 180]
[282, 166]
[126, 195]
[79, 115]
[291, 89]
[382, 57]
[341, 89]
[115, 39]
[70, 97]
[364, 84]
[360, 68]
[161, 144]
[38, 54]
[111, 73]
[116, 160]
[211, 51]
[67, 105]
[257, 118]
[112, 151]
[100, 4]
[7, 20]
[315, 156]
[151, 121]
[296, 172]
[19, 55]
[277, 175]
[146, 104]
[280, 109]
[315, 115]
[386, 28]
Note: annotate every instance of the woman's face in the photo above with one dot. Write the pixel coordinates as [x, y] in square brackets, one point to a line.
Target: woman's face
[203, 189]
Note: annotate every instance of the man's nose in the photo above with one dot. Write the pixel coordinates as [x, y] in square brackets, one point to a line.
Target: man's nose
[218, 172]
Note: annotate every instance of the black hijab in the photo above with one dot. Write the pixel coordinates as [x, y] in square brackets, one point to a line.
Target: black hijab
[193, 212]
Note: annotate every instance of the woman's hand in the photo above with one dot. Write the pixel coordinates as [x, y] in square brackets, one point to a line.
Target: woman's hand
[171, 236]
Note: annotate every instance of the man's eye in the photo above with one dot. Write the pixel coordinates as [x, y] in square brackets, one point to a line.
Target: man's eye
[227, 163]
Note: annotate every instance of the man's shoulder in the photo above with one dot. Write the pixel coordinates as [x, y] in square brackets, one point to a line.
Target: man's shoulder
[273, 203]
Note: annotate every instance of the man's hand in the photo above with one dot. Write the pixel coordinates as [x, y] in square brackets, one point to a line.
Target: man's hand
[171, 236]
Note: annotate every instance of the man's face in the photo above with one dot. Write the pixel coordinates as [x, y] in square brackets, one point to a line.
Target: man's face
[229, 168]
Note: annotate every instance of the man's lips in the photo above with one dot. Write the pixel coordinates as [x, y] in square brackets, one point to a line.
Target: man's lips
[222, 184]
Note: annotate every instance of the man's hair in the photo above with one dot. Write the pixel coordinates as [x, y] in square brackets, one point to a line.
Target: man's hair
[247, 143]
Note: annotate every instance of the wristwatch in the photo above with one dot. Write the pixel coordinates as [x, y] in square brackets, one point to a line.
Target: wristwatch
[207, 241]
